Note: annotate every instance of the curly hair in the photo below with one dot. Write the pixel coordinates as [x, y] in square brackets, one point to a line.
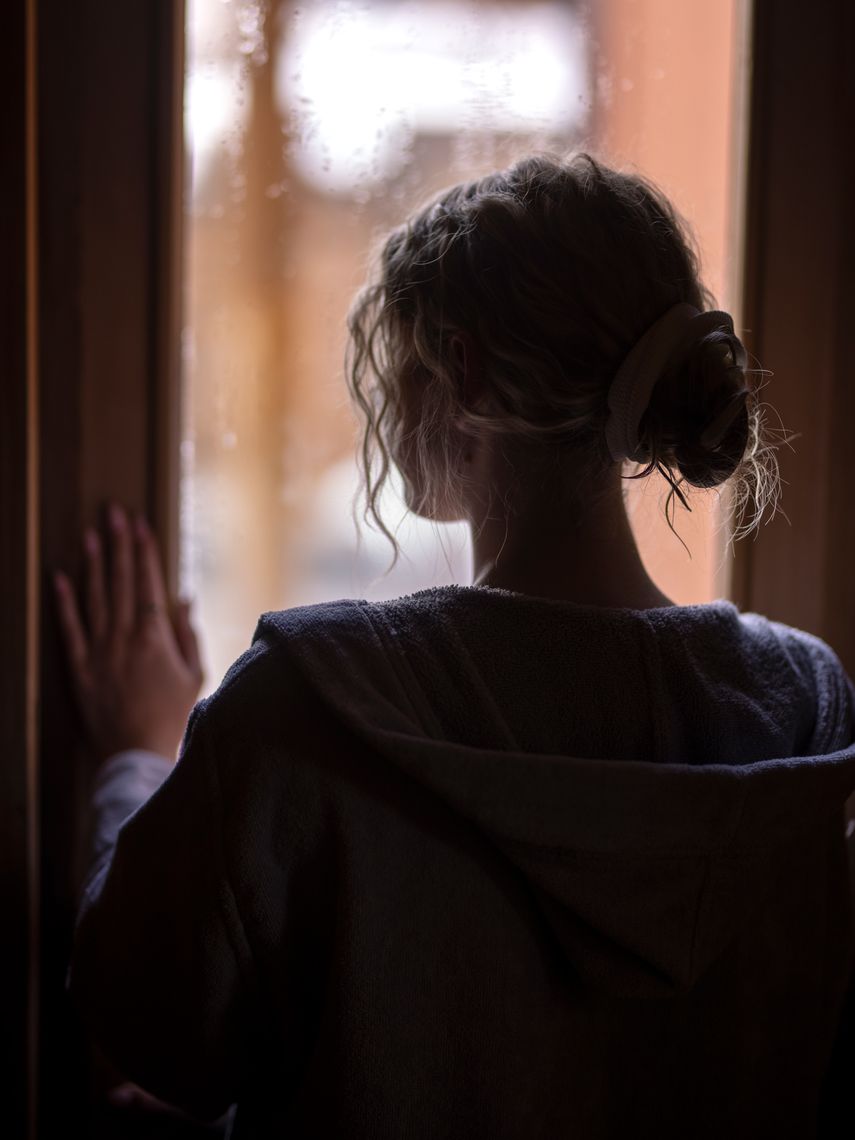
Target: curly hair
[554, 268]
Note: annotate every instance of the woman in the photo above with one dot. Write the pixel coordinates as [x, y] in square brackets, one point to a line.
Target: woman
[543, 856]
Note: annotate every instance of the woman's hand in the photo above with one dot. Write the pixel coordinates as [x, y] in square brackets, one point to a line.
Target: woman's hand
[136, 672]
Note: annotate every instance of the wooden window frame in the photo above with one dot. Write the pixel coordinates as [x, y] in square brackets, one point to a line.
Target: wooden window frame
[91, 213]
[798, 295]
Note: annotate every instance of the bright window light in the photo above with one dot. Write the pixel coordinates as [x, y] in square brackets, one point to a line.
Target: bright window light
[357, 83]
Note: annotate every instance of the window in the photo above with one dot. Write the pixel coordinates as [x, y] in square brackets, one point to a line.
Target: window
[311, 129]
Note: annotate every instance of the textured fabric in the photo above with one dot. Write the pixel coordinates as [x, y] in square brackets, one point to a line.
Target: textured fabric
[469, 863]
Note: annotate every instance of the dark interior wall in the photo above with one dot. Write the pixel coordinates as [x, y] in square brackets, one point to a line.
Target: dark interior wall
[17, 573]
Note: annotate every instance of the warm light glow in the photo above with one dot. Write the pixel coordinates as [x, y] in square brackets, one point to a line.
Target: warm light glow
[368, 109]
[214, 107]
[359, 83]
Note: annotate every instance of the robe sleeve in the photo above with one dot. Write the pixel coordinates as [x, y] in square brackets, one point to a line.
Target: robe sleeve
[122, 785]
[161, 968]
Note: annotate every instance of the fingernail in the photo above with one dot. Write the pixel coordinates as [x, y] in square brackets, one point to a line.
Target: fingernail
[60, 581]
[117, 518]
[140, 527]
[90, 540]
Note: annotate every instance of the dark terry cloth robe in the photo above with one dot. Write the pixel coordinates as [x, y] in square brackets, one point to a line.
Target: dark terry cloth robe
[475, 864]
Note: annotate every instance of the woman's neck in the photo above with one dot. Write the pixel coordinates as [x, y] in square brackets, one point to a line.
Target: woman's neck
[547, 547]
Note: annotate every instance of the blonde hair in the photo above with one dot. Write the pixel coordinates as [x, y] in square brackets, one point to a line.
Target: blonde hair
[554, 268]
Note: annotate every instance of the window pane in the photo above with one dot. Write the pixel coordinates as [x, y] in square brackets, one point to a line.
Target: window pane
[311, 129]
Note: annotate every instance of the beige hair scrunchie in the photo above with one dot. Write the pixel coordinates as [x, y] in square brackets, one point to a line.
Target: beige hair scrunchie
[667, 339]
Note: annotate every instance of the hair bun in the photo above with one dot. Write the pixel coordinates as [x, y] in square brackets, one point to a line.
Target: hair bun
[709, 424]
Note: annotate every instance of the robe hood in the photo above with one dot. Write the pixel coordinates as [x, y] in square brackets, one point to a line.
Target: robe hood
[645, 850]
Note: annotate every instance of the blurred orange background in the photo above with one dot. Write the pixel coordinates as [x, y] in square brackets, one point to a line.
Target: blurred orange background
[311, 129]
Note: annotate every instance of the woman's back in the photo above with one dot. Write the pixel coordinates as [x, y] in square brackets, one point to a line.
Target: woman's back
[699, 684]
[555, 859]
[476, 864]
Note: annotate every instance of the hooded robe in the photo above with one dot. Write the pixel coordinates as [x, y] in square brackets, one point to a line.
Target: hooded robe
[470, 863]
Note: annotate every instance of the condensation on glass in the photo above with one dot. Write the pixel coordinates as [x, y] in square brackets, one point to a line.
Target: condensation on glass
[311, 128]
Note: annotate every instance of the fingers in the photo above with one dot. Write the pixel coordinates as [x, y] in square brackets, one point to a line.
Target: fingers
[137, 595]
[72, 628]
[96, 595]
[188, 643]
[151, 592]
[121, 573]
